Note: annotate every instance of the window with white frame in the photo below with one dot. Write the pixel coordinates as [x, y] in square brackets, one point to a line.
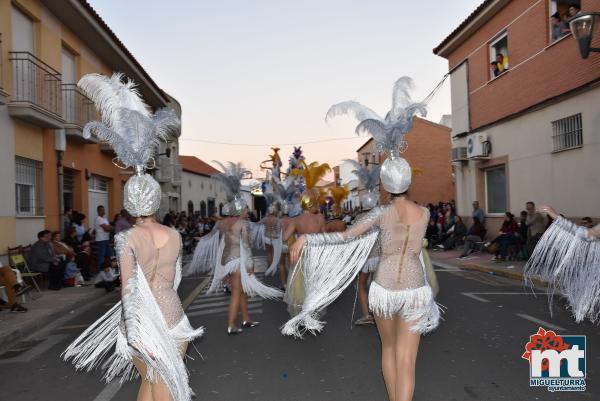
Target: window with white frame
[499, 55]
[561, 11]
[495, 190]
[28, 187]
[567, 133]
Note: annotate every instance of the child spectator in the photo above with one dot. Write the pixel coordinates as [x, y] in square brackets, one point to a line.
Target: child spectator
[73, 276]
[107, 278]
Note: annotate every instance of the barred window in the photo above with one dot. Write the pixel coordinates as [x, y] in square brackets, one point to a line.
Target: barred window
[28, 185]
[567, 133]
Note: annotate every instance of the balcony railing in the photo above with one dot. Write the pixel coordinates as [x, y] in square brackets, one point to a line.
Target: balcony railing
[78, 109]
[36, 83]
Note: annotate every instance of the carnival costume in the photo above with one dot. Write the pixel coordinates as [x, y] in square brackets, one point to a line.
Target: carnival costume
[331, 261]
[228, 247]
[567, 257]
[149, 323]
[311, 174]
[369, 179]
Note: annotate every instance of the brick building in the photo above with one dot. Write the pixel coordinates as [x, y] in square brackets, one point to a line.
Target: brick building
[429, 152]
[529, 132]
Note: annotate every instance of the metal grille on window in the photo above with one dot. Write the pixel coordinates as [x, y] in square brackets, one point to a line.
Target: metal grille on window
[28, 185]
[567, 133]
[98, 183]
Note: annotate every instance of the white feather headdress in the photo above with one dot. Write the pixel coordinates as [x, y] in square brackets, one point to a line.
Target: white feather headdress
[369, 178]
[127, 123]
[387, 132]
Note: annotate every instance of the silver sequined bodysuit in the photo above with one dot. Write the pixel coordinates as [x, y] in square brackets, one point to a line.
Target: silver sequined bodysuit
[399, 264]
[232, 237]
[140, 249]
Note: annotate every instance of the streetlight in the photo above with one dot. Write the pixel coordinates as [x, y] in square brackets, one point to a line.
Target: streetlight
[582, 27]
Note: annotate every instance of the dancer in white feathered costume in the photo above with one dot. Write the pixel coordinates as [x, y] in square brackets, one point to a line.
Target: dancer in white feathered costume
[148, 328]
[568, 258]
[369, 180]
[227, 252]
[400, 296]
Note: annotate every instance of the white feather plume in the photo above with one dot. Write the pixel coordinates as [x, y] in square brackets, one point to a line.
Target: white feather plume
[127, 124]
[388, 132]
[369, 178]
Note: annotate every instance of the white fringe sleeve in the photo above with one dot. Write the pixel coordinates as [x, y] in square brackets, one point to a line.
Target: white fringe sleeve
[205, 254]
[568, 258]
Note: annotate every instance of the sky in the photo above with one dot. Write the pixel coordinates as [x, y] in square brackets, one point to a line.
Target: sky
[266, 72]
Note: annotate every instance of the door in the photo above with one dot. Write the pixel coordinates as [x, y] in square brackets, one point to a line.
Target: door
[23, 42]
[71, 106]
[97, 196]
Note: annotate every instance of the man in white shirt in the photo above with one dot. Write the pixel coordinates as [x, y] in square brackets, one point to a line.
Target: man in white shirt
[103, 229]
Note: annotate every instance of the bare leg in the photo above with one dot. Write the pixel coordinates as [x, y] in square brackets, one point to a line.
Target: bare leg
[387, 334]
[407, 346]
[234, 302]
[363, 297]
[283, 269]
[244, 307]
[145, 392]
[269, 249]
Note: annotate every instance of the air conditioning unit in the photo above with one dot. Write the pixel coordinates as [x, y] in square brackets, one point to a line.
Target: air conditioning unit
[478, 146]
[459, 154]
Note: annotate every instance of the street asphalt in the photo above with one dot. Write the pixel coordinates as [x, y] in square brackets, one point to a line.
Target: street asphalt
[474, 355]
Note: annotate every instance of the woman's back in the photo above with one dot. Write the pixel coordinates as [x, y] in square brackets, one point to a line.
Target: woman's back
[156, 250]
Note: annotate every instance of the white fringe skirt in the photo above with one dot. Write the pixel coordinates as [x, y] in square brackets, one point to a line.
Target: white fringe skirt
[416, 306]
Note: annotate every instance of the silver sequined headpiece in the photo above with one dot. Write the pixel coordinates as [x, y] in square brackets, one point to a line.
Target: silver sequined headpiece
[133, 132]
[388, 132]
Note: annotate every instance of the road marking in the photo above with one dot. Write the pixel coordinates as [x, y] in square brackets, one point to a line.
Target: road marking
[190, 298]
[507, 293]
[109, 391]
[208, 305]
[475, 297]
[256, 311]
[539, 321]
[37, 350]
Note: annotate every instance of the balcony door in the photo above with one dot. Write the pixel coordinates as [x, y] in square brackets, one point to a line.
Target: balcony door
[23, 42]
[71, 109]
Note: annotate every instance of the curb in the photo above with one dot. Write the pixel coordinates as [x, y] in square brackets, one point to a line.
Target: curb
[56, 318]
[513, 275]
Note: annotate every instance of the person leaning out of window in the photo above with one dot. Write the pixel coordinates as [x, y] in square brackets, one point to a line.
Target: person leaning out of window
[501, 62]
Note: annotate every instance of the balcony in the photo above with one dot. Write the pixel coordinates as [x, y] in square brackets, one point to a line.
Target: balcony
[177, 169]
[36, 91]
[3, 94]
[78, 111]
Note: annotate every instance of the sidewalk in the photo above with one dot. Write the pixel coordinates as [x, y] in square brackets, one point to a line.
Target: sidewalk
[479, 261]
[46, 308]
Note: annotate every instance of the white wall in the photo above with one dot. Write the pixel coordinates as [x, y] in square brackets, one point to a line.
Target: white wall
[459, 96]
[197, 188]
[7, 164]
[568, 180]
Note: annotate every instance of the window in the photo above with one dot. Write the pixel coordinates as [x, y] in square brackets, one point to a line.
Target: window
[97, 183]
[28, 186]
[495, 190]
[499, 55]
[567, 133]
[560, 13]
[190, 207]
[68, 189]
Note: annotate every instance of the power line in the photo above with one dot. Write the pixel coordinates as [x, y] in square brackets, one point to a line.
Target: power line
[272, 144]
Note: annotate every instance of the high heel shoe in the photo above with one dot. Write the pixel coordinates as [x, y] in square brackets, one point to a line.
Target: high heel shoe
[233, 331]
[249, 325]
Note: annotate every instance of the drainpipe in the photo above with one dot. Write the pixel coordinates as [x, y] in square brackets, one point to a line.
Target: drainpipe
[60, 144]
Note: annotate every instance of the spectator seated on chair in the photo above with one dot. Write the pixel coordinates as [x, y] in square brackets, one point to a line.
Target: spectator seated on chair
[13, 289]
[507, 237]
[73, 276]
[432, 232]
[44, 260]
[456, 235]
[61, 249]
[107, 278]
[475, 234]
[83, 259]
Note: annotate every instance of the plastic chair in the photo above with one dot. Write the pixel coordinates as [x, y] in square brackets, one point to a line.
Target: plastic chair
[17, 260]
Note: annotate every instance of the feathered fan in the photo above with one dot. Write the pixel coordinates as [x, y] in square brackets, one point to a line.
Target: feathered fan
[312, 172]
[369, 178]
[387, 132]
[231, 178]
[127, 124]
[339, 194]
